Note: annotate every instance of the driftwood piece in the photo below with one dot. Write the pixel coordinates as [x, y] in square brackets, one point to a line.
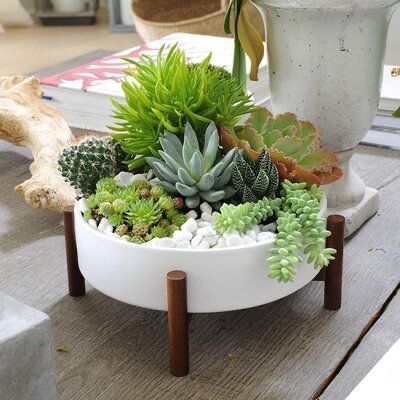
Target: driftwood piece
[26, 120]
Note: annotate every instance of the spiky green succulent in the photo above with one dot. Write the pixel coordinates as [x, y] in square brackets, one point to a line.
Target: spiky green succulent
[256, 179]
[187, 171]
[299, 227]
[242, 217]
[165, 94]
[144, 211]
[83, 164]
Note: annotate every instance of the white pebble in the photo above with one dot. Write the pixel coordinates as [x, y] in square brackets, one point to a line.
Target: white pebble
[250, 233]
[105, 226]
[207, 217]
[230, 233]
[92, 222]
[82, 206]
[202, 224]
[165, 242]
[203, 245]
[184, 245]
[211, 240]
[234, 240]
[123, 179]
[247, 239]
[221, 240]
[256, 228]
[149, 174]
[206, 231]
[138, 177]
[269, 227]
[206, 208]
[264, 236]
[196, 240]
[192, 214]
[182, 236]
[189, 226]
[154, 181]
[219, 246]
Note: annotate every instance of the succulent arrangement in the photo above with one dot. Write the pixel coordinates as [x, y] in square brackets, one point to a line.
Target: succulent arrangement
[138, 212]
[192, 173]
[167, 93]
[83, 164]
[294, 146]
[200, 179]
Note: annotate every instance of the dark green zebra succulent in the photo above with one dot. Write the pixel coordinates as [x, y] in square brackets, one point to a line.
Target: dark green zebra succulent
[254, 180]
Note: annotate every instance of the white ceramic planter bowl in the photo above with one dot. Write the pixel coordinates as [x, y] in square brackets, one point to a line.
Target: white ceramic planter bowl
[217, 280]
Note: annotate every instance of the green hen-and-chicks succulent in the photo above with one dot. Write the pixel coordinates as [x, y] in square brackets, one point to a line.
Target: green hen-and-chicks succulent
[139, 212]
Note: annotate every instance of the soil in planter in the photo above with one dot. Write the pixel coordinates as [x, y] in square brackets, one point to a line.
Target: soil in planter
[174, 10]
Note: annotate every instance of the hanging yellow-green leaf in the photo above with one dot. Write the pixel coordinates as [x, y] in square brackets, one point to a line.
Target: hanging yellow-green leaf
[397, 113]
[251, 42]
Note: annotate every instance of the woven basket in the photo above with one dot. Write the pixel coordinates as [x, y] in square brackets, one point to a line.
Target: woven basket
[149, 20]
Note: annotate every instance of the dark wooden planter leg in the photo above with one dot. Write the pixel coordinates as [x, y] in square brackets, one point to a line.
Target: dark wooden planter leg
[178, 323]
[333, 273]
[76, 282]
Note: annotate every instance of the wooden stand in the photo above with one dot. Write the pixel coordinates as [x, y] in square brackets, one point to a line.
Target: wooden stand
[76, 281]
[334, 272]
[178, 323]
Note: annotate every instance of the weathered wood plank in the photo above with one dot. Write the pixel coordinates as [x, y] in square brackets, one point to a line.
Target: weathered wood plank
[376, 166]
[282, 350]
[382, 336]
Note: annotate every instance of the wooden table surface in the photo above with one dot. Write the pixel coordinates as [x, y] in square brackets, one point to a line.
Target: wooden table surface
[290, 349]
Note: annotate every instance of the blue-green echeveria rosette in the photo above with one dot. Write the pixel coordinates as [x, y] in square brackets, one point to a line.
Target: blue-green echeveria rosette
[195, 174]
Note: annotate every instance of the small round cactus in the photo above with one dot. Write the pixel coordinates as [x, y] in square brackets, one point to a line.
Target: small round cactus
[83, 164]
